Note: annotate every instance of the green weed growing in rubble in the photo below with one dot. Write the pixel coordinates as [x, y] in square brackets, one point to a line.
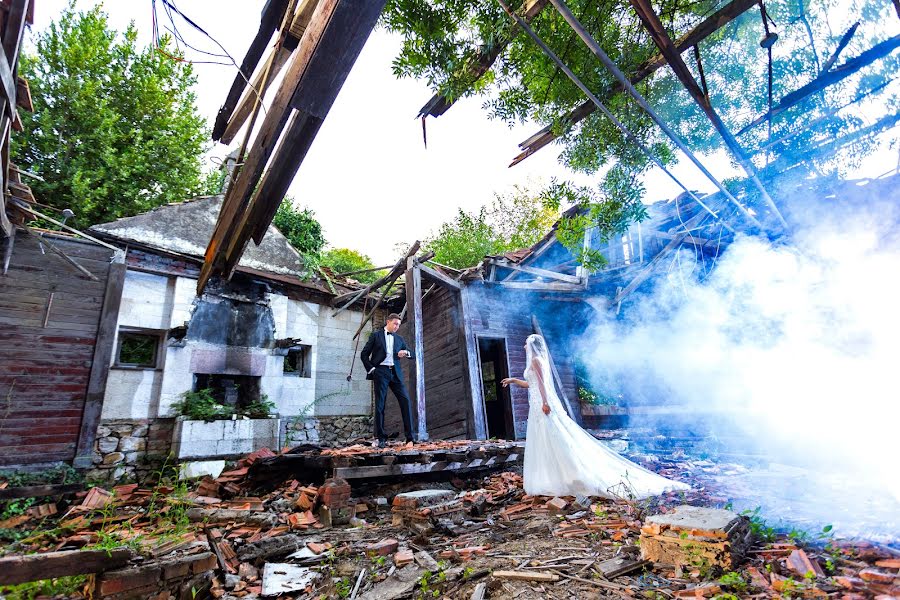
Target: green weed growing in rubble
[733, 581]
[758, 526]
[343, 588]
[60, 587]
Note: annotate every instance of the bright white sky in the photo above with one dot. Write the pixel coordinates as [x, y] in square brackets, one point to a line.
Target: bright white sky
[368, 177]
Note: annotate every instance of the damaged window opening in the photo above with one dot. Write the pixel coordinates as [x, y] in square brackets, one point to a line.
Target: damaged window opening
[138, 349]
[298, 361]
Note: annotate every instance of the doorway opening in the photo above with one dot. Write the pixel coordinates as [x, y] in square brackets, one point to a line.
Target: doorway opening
[497, 407]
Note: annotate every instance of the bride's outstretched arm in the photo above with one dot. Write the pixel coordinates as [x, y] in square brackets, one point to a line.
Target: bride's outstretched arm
[536, 367]
[516, 382]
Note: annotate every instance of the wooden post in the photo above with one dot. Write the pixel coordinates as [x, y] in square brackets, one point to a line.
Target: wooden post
[414, 310]
[474, 366]
[106, 336]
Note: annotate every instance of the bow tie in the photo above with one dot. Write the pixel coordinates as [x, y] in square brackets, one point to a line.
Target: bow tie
[388, 333]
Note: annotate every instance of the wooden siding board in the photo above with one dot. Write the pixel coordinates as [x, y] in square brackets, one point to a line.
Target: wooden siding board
[44, 371]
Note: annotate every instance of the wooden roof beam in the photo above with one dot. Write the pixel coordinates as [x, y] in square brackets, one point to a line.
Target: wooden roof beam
[661, 38]
[272, 14]
[707, 27]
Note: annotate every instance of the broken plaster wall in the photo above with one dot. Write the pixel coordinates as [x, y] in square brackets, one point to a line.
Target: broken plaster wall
[135, 433]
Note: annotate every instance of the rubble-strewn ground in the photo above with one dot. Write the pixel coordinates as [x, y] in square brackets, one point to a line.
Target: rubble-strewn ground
[483, 539]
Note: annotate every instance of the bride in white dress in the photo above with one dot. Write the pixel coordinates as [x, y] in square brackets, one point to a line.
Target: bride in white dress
[561, 458]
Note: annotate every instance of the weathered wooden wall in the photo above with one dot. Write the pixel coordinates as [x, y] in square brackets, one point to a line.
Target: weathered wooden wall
[49, 320]
[447, 395]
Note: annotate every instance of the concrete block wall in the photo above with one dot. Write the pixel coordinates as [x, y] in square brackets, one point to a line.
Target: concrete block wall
[335, 396]
[200, 439]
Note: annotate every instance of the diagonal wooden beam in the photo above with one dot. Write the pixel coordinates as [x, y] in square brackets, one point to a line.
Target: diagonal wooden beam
[540, 272]
[438, 276]
[828, 78]
[238, 195]
[271, 16]
[707, 27]
[314, 92]
[661, 38]
[439, 104]
[647, 271]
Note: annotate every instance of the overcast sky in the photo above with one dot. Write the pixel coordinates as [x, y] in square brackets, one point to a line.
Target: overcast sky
[368, 177]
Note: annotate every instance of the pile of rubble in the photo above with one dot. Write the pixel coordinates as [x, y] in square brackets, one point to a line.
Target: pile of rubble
[481, 537]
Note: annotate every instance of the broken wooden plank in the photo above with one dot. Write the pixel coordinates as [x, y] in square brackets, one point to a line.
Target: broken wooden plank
[526, 576]
[36, 491]
[34, 567]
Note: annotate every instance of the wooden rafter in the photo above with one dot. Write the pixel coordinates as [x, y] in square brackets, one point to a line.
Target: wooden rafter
[315, 74]
[707, 27]
[667, 47]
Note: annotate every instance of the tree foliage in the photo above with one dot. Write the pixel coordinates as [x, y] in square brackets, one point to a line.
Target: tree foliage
[445, 41]
[517, 220]
[345, 260]
[301, 229]
[115, 131]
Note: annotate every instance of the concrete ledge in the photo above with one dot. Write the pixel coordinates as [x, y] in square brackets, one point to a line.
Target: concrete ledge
[216, 439]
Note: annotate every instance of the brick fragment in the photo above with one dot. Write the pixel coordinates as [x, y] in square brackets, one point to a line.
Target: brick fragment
[335, 493]
[403, 557]
[384, 547]
[123, 580]
[876, 576]
[557, 506]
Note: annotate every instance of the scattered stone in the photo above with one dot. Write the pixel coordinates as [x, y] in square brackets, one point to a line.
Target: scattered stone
[199, 468]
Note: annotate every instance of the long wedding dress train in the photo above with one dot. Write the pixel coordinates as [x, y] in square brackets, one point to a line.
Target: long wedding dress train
[563, 459]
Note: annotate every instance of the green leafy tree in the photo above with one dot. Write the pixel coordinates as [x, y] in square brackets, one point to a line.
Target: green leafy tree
[471, 48]
[115, 131]
[345, 260]
[301, 229]
[517, 220]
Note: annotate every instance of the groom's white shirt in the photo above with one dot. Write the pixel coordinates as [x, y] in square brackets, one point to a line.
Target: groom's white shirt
[389, 347]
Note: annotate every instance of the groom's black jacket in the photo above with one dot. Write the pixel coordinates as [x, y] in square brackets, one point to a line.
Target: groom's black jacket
[375, 351]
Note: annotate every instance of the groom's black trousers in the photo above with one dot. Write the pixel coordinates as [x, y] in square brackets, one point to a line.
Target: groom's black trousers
[384, 378]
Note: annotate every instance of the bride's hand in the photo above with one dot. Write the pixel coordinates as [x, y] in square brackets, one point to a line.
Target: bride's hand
[505, 382]
[546, 409]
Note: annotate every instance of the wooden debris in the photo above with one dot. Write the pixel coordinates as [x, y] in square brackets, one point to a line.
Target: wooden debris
[49, 565]
[800, 564]
[525, 576]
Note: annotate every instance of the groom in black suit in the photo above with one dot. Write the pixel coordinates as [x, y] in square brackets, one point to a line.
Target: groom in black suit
[381, 357]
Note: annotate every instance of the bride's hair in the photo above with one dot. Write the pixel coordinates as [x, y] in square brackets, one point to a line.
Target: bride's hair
[536, 344]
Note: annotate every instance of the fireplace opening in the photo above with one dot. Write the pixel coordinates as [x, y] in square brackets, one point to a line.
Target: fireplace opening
[235, 391]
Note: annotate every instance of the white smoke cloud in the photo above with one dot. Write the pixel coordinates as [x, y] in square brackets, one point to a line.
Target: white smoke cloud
[794, 350]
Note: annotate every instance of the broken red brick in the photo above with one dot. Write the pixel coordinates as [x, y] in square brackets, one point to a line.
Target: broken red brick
[335, 493]
[876, 576]
[557, 505]
[888, 563]
[318, 548]
[801, 564]
[97, 498]
[403, 557]
[701, 591]
[384, 547]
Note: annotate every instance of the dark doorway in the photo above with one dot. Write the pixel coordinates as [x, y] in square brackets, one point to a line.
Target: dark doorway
[492, 354]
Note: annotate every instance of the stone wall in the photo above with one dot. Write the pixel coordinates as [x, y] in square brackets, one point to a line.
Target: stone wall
[130, 449]
[327, 431]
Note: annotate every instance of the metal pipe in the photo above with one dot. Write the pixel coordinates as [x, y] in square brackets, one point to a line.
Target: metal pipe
[593, 98]
[626, 84]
